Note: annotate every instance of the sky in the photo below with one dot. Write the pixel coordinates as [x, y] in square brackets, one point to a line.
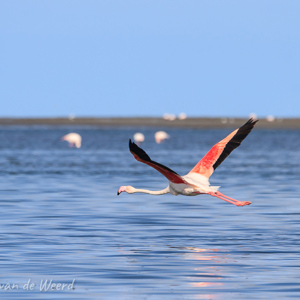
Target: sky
[122, 58]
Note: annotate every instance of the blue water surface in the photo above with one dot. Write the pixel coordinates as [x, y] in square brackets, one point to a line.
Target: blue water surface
[61, 218]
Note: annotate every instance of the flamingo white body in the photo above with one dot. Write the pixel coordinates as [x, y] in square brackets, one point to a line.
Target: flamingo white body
[193, 180]
[197, 180]
[161, 136]
[73, 138]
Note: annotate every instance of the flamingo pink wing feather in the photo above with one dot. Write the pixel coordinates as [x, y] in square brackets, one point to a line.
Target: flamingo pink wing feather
[221, 150]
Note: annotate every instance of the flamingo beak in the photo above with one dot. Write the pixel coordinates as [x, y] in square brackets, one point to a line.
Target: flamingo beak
[121, 189]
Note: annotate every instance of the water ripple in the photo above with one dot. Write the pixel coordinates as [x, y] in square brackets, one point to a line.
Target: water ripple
[62, 220]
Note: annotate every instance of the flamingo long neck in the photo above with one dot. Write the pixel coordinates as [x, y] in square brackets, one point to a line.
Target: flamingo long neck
[161, 192]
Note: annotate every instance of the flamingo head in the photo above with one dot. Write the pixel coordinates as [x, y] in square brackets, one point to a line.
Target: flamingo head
[128, 189]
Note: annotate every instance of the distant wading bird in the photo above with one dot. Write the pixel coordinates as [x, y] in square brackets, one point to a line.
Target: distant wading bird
[139, 138]
[196, 181]
[161, 136]
[73, 138]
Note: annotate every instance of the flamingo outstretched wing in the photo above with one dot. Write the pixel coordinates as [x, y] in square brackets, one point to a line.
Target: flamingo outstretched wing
[221, 150]
[140, 155]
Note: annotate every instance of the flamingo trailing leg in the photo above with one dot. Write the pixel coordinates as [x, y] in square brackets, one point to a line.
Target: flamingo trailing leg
[197, 180]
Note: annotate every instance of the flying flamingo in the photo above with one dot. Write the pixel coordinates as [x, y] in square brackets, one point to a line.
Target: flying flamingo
[197, 180]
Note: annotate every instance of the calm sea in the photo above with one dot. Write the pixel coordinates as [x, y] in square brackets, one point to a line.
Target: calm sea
[61, 218]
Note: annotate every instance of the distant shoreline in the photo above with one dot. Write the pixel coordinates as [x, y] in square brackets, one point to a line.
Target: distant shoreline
[205, 123]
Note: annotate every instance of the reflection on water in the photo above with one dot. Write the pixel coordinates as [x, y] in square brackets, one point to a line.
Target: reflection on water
[62, 220]
[208, 273]
[212, 274]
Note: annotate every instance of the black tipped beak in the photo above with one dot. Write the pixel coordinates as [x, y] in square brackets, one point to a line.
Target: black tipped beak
[118, 193]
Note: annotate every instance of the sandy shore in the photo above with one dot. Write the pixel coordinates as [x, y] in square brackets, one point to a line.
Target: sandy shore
[293, 123]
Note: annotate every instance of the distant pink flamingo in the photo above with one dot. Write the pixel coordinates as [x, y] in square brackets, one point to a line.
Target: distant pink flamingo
[139, 138]
[73, 138]
[161, 136]
[197, 180]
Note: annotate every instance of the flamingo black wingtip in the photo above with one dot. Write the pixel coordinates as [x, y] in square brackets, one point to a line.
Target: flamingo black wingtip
[132, 145]
[252, 121]
[135, 149]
